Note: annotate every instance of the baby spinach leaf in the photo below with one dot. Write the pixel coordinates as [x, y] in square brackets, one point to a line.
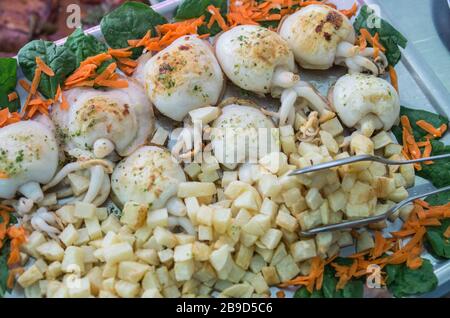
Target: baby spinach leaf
[439, 243]
[84, 46]
[439, 198]
[437, 173]
[353, 289]
[403, 281]
[59, 58]
[4, 268]
[8, 80]
[130, 21]
[190, 9]
[390, 38]
[415, 115]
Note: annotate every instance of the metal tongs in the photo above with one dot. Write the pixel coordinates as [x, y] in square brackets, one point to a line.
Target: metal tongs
[415, 193]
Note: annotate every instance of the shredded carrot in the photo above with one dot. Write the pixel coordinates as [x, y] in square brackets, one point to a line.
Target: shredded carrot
[44, 67]
[7, 118]
[447, 232]
[17, 235]
[120, 53]
[12, 275]
[394, 77]
[350, 12]
[12, 97]
[429, 128]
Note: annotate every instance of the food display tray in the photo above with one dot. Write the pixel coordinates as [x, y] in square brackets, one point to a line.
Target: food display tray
[419, 88]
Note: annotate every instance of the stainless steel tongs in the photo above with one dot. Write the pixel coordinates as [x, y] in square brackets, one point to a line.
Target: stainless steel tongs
[414, 193]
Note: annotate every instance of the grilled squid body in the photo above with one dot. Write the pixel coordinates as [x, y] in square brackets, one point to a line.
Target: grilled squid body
[365, 102]
[243, 133]
[259, 60]
[321, 36]
[149, 176]
[28, 157]
[183, 77]
[103, 121]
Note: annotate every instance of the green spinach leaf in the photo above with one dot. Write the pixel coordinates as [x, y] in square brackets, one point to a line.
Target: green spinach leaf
[390, 38]
[130, 21]
[59, 58]
[414, 115]
[439, 243]
[437, 173]
[403, 281]
[439, 198]
[8, 80]
[84, 46]
[190, 9]
[4, 268]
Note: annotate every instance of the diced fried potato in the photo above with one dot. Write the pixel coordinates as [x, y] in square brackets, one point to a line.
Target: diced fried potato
[405, 212]
[287, 268]
[84, 210]
[222, 261]
[408, 174]
[165, 256]
[269, 185]
[30, 276]
[274, 162]
[80, 290]
[117, 253]
[73, 260]
[244, 256]
[83, 236]
[260, 284]
[228, 177]
[79, 184]
[151, 281]
[205, 114]
[361, 145]
[196, 189]
[33, 241]
[184, 270]
[286, 221]
[134, 214]
[209, 176]
[364, 242]
[382, 139]
[126, 289]
[151, 293]
[361, 193]
[193, 170]
[247, 201]
[348, 182]
[164, 237]
[93, 228]
[398, 195]
[392, 149]
[313, 198]
[149, 256]
[160, 136]
[332, 126]
[353, 210]
[383, 186]
[337, 200]
[303, 250]
[309, 219]
[200, 251]
[67, 214]
[131, 271]
[257, 225]
[205, 215]
[111, 224]
[205, 233]
[183, 253]
[328, 141]
[270, 275]
[238, 291]
[158, 217]
[53, 271]
[323, 242]
[221, 220]
[51, 251]
[271, 238]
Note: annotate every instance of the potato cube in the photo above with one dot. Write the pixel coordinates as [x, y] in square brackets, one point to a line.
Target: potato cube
[408, 174]
[260, 284]
[313, 198]
[171, 292]
[221, 220]
[287, 268]
[108, 284]
[132, 271]
[248, 239]
[193, 170]
[292, 196]
[30, 276]
[392, 149]
[399, 180]
[158, 218]
[151, 293]
[205, 215]
[242, 218]
[149, 256]
[118, 252]
[398, 195]
[323, 242]
[257, 225]
[238, 291]
[101, 214]
[271, 238]
[257, 263]
[205, 114]
[337, 200]
[269, 208]
[134, 214]
[151, 281]
[192, 206]
[353, 210]
[346, 239]
[35, 239]
[164, 237]
[83, 236]
[51, 251]
[73, 261]
[309, 220]
[82, 288]
[288, 144]
[176, 207]
[328, 141]
[205, 233]
[79, 184]
[184, 270]
[383, 187]
[208, 176]
[274, 162]
[166, 255]
[348, 182]
[67, 214]
[361, 193]
[332, 126]
[269, 185]
[93, 228]
[88, 254]
[270, 275]
[382, 139]
[196, 189]
[364, 242]
[286, 221]
[236, 274]
[244, 256]
[183, 253]
[303, 250]
[111, 224]
[246, 201]
[126, 289]
[84, 210]
[361, 145]
[53, 271]
[200, 251]
[405, 212]
[222, 262]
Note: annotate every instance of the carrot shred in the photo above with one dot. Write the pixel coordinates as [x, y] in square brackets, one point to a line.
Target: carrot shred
[429, 128]
[447, 232]
[394, 77]
[120, 53]
[44, 67]
[12, 97]
[350, 12]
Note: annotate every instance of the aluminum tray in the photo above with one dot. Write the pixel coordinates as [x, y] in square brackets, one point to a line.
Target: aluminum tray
[419, 87]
